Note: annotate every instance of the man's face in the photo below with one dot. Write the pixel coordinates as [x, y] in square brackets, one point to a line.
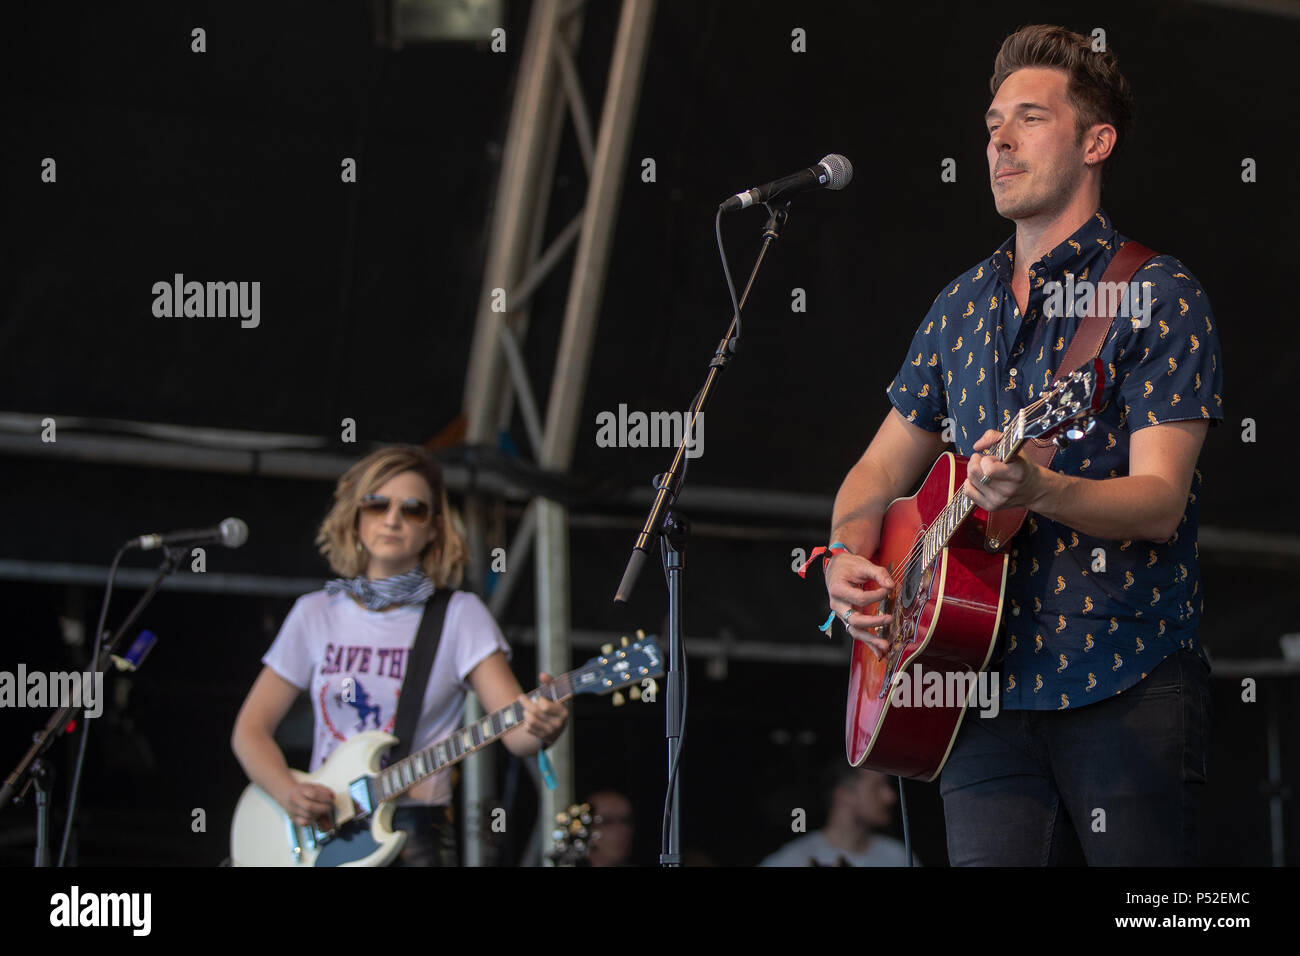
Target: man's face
[1036, 162]
[870, 798]
[615, 844]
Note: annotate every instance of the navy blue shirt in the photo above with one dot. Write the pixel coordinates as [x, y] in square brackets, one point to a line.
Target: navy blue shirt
[1076, 630]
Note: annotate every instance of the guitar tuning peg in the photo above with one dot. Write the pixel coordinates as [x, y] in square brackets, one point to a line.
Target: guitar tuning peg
[623, 640]
[1061, 441]
[607, 649]
[1080, 428]
[635, 692]
[618, 698]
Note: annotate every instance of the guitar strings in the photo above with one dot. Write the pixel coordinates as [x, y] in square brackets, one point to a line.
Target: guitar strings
[418, 777]
[917, 550]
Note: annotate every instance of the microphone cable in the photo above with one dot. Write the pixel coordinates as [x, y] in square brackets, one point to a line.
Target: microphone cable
[85, 723]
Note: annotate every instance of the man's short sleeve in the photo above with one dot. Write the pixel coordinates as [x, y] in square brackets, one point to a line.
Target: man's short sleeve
[476, 633]
[1171, 369]
[290, 654]
[917, 390]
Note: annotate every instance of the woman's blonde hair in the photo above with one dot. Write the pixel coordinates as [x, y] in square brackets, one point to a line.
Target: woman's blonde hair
[443, 560]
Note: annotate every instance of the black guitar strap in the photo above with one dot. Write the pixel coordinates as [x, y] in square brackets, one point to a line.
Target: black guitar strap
[419, 664]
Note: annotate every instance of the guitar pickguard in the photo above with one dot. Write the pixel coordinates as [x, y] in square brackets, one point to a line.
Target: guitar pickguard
[350, 842]
[905, 604]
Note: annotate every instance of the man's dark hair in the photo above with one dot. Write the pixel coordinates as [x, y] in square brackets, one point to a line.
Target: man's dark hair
[1095, 87]
[837, 773]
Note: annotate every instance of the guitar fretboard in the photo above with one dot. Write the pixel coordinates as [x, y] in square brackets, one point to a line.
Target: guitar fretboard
[1070, 398]
[400, 776]
[959, 507]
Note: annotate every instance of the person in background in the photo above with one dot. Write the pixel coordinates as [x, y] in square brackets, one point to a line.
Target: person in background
[861, 804]
[616, 827]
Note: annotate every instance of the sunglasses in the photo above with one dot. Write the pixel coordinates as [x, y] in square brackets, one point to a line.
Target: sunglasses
[413, 508]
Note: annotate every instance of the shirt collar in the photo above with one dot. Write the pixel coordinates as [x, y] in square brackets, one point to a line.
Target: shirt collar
[1072, 255]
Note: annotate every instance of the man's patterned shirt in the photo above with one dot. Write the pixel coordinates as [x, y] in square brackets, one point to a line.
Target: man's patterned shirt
[1076, 630]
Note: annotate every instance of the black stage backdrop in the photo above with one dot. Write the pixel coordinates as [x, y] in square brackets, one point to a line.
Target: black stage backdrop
[225, 166]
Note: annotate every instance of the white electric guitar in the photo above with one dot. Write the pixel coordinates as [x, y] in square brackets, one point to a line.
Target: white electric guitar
[360, 832]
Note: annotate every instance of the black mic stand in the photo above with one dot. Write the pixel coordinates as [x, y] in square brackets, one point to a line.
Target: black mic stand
[663, 523]
[33, 765]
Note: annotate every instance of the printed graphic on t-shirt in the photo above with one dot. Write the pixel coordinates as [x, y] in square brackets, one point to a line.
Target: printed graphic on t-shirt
[348, 675]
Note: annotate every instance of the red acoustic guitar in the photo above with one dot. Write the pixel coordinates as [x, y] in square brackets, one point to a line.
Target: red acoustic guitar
[947, 598]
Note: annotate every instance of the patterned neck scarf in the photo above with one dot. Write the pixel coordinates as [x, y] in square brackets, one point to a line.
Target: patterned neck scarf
[409, 587]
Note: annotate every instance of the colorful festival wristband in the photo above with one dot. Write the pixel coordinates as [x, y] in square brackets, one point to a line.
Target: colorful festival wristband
[548, 772]
[825, 553]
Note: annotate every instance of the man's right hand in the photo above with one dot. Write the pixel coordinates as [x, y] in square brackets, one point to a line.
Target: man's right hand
[854, 582]
[309, 803]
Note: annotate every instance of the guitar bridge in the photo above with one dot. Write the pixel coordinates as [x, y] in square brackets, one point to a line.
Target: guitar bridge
[905, 605]
[310, 836]
[892, 657]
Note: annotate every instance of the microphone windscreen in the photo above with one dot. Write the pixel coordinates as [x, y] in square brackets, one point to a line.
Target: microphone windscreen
[233, 532]
[841, 170]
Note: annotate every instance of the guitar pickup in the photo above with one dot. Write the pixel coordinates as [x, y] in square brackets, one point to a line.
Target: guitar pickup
[363, 801]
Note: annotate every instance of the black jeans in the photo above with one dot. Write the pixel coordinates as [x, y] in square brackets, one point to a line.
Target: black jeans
[430, 837]
[1123, 777]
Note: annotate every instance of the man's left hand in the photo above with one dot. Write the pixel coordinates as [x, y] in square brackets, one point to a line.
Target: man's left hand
[1015, 484]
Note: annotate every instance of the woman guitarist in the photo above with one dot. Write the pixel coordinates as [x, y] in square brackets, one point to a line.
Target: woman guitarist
[391, 538]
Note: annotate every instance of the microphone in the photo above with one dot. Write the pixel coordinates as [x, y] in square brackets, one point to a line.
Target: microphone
[232, 533]
[834, 172]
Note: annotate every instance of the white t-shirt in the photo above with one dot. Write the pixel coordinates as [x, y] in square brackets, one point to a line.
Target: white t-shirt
[881, 851]
[325, 640]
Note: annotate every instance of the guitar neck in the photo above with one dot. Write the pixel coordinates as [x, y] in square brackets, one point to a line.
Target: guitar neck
[400, 776]
[959, 507]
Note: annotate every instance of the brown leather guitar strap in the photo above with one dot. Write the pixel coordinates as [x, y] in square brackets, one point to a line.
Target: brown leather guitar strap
[1084, 347]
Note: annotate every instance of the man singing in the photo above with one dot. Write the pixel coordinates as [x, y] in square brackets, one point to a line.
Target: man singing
[1100, 742]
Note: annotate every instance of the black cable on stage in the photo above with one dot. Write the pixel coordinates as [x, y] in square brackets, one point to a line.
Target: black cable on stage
[85, 723]
[726, 271]
[907, 831]
[681, 723]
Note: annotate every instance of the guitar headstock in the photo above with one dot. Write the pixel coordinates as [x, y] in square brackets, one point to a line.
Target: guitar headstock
[1066, 410]
[633, 664]
[572, 835]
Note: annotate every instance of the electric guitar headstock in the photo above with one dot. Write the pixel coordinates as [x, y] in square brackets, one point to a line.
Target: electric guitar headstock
[632, 666]
[573, 834]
